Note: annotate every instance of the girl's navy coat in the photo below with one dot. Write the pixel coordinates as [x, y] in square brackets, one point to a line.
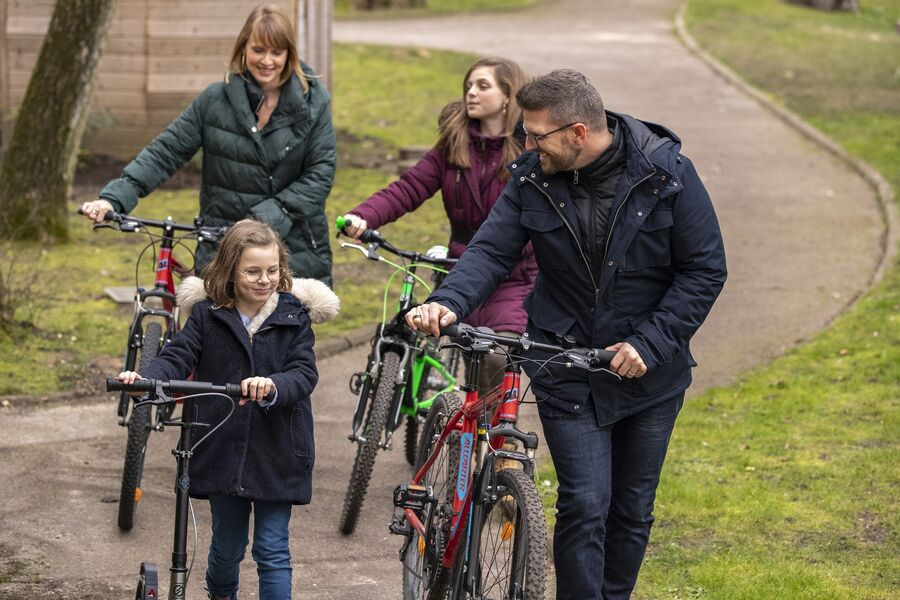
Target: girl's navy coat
[259, 453]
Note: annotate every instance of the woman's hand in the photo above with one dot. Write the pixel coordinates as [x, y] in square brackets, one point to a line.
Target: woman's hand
[96, 209]
[256, 389]
[129, 377]
[355, 226]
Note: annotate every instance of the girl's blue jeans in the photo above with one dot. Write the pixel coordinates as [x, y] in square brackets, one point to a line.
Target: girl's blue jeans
[230, 526]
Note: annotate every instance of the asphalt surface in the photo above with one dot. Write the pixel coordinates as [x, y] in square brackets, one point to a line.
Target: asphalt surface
[803, 235]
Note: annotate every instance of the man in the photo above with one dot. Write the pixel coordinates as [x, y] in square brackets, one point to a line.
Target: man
[630, 258]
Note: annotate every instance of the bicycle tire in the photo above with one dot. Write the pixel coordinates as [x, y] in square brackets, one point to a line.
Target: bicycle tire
[411, 440]
[366, 450]
[512, 541]
[424, 579]
[138, 434]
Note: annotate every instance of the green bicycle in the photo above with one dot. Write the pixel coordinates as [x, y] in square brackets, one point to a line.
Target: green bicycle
[404, 373]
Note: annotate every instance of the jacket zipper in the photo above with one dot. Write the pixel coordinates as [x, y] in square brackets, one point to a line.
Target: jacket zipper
[618, 209]
[575, 237]
[312, 240]
[458, 191]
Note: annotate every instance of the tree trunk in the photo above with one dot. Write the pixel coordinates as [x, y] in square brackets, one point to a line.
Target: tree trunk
[37, 171]
[849, 5]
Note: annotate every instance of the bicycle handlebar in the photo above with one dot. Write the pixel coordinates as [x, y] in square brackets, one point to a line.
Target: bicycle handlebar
[174, 387]
[374, 237]
[131, 223]
[583, 358]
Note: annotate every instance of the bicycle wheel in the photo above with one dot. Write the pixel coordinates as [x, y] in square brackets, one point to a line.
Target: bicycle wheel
[423, 575]
[368, 443]
[138, 433]
[512, 542]
[431, 383]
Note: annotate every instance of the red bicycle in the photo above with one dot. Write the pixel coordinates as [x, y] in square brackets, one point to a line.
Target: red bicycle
[154, 322]
[474, 526]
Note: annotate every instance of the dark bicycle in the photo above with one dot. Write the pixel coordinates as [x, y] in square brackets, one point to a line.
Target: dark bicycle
[404, 372]
[160, 394]
[154, 322]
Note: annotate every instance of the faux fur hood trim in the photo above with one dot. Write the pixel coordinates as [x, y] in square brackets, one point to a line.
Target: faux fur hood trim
[323, 303]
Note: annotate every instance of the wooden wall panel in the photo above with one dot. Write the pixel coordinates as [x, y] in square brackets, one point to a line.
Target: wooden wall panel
[159, 55]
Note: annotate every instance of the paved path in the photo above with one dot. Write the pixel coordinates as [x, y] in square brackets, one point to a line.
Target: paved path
[802, 234]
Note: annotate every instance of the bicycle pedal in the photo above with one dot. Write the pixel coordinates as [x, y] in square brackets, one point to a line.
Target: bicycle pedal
[400, 525]
[414, 497]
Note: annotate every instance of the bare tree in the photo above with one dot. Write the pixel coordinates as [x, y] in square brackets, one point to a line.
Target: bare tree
[37, 171]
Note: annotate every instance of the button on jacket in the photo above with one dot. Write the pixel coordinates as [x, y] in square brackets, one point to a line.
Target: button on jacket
[664, 266]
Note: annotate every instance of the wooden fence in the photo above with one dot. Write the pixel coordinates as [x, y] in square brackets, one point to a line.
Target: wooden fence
[159, 55]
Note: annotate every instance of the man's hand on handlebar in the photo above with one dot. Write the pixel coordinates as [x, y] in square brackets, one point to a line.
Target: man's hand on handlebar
[627, 362]
[355, 226]
[96, 209]
[430, 317]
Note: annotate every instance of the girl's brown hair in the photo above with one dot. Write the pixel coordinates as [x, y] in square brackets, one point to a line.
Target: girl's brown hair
[219, 275]
[272, 27]
[454, 127]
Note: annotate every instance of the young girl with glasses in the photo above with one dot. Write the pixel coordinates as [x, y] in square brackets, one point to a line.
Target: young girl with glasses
[250, 323]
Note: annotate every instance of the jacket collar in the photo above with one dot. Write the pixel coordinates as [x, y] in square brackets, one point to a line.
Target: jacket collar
[650, 150]
[244, 95]
[322, 303]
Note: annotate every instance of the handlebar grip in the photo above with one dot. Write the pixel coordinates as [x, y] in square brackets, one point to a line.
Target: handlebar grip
[109, 215]
[141, 385]
[604, 357]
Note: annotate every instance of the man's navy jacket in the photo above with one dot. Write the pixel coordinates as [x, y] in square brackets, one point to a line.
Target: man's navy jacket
[663, 268]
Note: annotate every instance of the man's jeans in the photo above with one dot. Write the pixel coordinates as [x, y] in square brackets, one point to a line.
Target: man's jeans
[230, 525]
[607, 484]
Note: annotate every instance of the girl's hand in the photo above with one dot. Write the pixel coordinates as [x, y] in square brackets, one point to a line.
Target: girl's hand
[256, 389]
[355, 226]
[96, 210]
[129, 377]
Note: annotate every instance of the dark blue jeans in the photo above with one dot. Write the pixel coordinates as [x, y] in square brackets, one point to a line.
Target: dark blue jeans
[607, 484]
[230, 528]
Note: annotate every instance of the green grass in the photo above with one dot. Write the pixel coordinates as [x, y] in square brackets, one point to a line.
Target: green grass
[787, 485]
[384, 99]
[347, 8]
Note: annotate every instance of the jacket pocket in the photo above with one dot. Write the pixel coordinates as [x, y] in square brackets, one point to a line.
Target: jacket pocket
[301, 431]
[540, 220]
[651, 246]
[271, 211]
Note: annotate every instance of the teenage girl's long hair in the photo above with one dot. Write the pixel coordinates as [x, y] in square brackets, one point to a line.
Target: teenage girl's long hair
[454, 123]
[271, 26]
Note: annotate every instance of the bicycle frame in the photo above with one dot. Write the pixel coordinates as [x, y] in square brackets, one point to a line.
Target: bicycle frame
[416, 353]
[480, 445]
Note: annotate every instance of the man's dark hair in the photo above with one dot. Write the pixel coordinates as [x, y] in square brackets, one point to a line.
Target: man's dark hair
[568, 97]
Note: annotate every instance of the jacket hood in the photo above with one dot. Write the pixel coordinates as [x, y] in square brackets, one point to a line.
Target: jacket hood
[323, 304]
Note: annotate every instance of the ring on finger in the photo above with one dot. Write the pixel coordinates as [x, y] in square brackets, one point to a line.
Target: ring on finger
[417, 316]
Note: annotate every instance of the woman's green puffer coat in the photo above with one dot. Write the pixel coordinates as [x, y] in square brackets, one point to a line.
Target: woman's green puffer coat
[281, 174]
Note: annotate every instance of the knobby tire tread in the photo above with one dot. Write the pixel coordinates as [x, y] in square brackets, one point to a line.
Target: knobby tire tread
[376, 418]
[138, 434]
[521, 488]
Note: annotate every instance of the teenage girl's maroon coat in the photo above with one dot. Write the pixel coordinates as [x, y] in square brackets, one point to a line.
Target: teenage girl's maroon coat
[469, 194]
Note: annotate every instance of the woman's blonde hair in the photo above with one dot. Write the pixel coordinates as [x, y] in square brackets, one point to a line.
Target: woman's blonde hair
[454, 126]
[219, 275]
[271, 26]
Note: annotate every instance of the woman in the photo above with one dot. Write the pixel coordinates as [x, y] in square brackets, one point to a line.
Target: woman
[268, 148]
[468, 165]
